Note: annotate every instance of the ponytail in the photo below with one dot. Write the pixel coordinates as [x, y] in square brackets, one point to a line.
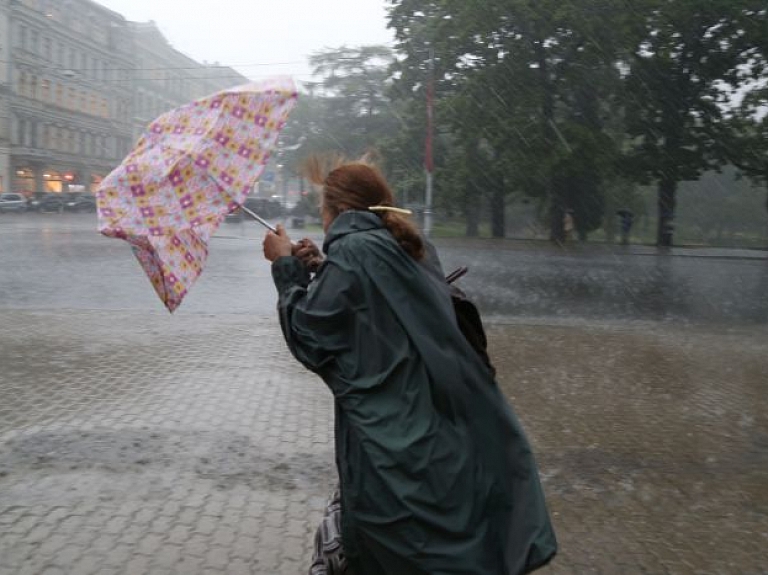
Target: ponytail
[405, 233]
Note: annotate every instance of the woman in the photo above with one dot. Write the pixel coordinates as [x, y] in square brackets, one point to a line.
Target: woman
[436, 475]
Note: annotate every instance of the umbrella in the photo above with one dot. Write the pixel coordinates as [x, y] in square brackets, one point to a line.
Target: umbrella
[191, 167]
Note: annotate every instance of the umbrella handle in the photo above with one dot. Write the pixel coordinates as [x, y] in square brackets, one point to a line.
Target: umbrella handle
[456, 274]
[258, 218]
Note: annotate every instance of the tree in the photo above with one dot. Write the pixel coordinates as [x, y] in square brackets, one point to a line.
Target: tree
[688, 54]
[509, 72]
[356, 110]
[346, 110]
[748, 146]
[541, 86]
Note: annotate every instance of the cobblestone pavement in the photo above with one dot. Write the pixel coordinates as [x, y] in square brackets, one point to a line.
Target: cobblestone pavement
[196, 445]
[170, 445]
[653, 443]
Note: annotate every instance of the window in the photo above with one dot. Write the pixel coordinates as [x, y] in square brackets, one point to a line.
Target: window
[47, 49]
[20, 128]
[25, 133]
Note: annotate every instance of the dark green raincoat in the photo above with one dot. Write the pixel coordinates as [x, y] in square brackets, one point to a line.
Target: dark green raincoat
[436, 474]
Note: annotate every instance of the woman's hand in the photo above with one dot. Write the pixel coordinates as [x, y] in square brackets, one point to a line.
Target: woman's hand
[309, 254]
[277, 244]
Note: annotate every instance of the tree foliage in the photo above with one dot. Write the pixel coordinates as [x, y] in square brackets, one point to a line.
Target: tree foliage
[570, 105]
[748, 137]
[515, 100]
[564, 98]
[689, 55]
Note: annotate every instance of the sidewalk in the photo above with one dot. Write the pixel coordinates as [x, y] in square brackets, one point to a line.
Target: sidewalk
[601, 248]
[206, 449]
[139, 443]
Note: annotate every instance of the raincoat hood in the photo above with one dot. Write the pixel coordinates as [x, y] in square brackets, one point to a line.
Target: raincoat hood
[349, 222]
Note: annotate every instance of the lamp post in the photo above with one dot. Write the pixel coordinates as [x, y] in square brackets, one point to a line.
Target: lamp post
[428, 162]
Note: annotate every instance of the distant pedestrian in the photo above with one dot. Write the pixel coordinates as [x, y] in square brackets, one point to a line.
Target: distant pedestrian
[627, 218]
[435, 472]
[568, 224]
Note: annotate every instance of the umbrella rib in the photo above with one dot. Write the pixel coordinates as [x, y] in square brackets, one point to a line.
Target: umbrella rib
[258, 218]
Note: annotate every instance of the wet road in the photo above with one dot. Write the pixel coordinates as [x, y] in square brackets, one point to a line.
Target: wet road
[133, 441]
[58, 261]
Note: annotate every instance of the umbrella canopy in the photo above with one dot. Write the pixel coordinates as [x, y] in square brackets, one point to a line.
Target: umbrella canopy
[191, 167]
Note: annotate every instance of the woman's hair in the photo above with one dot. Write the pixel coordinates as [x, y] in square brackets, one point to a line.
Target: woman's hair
[359, 185]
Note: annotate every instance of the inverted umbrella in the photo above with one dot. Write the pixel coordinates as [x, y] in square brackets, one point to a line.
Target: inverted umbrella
[191, 167]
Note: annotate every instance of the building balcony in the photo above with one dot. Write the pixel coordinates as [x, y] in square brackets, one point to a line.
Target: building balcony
[30, 153]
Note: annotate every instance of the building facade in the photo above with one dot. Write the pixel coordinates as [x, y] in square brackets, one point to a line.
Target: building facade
[78, 83]
[5, 94]
[164, 78]
[70, 94]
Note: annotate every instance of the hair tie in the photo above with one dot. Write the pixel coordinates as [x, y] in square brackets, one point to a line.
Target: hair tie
[390, 209]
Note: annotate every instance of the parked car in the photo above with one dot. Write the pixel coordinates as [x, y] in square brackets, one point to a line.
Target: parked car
[80, 203]
[263, 207]
[234, 216]
[47, 203]
[10, 202]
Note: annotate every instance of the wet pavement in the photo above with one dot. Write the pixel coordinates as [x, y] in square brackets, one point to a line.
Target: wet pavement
[133, 441]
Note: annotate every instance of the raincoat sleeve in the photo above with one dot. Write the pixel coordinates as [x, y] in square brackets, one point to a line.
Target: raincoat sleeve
[314, 315]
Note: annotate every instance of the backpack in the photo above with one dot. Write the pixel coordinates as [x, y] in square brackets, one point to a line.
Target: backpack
[468, 318]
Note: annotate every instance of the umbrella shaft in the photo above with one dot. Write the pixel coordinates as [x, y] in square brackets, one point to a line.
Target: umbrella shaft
[258, 218]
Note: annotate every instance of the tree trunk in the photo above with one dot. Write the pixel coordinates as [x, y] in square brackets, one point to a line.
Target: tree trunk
[472, 200]
[557, 209]
[473, 221]
[609, 218]
[666, 204]
[556, 227]
[765, 180]
[497, 213]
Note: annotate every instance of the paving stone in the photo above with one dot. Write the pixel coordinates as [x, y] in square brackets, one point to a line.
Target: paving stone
[181, 445]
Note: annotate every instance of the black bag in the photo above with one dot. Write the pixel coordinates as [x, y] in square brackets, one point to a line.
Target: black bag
[468, 318]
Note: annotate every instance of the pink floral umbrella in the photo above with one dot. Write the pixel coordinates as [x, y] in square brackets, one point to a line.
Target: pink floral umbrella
[192, 166]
